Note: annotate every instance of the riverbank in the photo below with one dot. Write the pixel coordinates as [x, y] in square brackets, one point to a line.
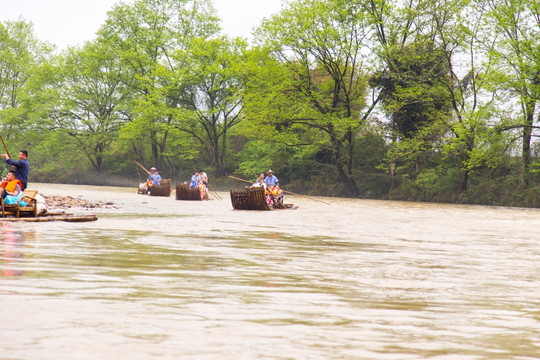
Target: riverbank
[68, 202]
[376, 186]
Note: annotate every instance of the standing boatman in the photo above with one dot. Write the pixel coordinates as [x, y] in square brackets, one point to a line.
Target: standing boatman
[155, 177]
[271, 179]
[22, 167]
[203, 178]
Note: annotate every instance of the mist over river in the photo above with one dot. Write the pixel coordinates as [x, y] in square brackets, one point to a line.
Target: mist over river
[157, 278]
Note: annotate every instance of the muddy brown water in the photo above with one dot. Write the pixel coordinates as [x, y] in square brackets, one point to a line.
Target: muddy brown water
[158, 278]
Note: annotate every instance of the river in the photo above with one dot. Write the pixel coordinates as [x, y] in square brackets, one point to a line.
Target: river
[157, 278]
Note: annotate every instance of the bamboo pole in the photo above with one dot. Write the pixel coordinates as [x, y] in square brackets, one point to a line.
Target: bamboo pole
[287, 192]
[5, 147]
[235, 178]
[256, 175]
[138, 163]
[214, 191]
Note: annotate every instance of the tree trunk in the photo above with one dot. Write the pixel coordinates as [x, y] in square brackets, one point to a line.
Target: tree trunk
[349, 152]
[99, 161]
[466, 172]
[222, 165]
[393, 164]
[464, 181]
[392, 173]
[348, 181]
[526, 143]
[162, 148]
[350, 184]
[154, 147]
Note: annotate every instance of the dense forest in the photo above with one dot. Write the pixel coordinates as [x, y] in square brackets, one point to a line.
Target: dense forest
[425, 100]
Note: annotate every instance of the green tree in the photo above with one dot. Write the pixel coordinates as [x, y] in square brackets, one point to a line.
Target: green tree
[20, 53]
[91, 99]
[415, 97]
[516, 30]
[312, 89]
[412, 76]
[144, 36]
[474, 88]
[210, 94]
[465, 82]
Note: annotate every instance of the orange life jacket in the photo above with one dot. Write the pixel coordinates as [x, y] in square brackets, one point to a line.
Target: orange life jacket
[10, 186]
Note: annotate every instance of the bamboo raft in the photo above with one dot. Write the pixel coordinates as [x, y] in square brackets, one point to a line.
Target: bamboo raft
[52, 217]
[184, 192]
[253, 198]
[163, 189]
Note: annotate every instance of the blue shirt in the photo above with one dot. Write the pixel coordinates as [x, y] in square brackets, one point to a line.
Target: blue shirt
[271, 180]
[21, 172]
[155, 178]
[194, 181]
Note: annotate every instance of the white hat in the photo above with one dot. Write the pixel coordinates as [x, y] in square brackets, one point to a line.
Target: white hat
[270, 171]
[153, 168]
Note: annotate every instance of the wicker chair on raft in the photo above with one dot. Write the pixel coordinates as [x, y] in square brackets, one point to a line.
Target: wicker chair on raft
[29, 196]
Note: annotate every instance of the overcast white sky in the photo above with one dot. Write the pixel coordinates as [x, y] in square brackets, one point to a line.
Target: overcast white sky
[71, 22]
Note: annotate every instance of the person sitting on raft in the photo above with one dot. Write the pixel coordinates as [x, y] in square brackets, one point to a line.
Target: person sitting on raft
[278, 194]
[11, 189]
[269, 197]
[194, 180]
[260, 181]
[147, 185]
[203, 190]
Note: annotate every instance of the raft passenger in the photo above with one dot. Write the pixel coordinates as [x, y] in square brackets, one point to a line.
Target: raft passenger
[279, 194]
[11, 188]
[194, 180]
[202, 190]
[260, 181]
[269, 197]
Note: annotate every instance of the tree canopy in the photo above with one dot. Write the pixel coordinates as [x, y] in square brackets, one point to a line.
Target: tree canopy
[419, 100]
